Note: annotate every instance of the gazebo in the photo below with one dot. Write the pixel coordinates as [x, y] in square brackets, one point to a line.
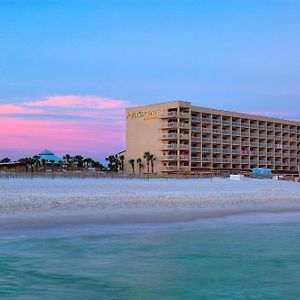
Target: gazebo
[49, 157]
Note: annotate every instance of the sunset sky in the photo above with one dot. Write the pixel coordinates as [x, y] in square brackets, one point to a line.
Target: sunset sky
[68, 68]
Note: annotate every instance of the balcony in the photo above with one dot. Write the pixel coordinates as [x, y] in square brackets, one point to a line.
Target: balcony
[227, 160]
[217, 141]
[206, 120]
[184, 125]
[176, 169]
[168, 114]
[170, 136]
[169, 125]
[175, 136]
[196, 128]
[227, 142]
[184, 157]
[196, 159]
[169, 157]
[173, 114]
[236, 133]
[174, 147]
[236, 161]
[226, 132]
[196, 119]
[183, 136]
[196, 149]
[216, 121]
[217, 150]
[216, 131]
[224, 122]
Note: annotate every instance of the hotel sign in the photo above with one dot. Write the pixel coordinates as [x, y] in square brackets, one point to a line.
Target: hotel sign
[143, 114]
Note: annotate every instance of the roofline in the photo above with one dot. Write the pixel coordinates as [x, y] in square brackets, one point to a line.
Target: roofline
[220, 111]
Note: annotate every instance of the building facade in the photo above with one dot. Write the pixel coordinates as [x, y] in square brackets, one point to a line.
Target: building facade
[191, 139]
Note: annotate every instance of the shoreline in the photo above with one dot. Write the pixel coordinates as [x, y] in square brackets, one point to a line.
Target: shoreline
[129, 217]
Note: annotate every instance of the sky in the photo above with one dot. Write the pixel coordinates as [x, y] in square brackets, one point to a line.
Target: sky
[68, 68]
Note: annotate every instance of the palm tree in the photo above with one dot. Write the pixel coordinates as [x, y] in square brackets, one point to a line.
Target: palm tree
[148, 156]
[87, 162]
[98, 165]
[112, 162]
[60, 163]
[152, 159]
[5, 160]
[36, 159]
[78, 159]
[139, 162]
[24, 162]
[121, 160]
[44, 164]
[31, 162]
[68, 159]
[52, 165]
[132, 161]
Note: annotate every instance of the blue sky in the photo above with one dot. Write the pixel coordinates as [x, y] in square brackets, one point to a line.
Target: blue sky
[235, 55]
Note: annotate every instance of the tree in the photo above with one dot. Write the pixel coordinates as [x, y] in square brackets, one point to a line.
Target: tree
[24, 162]
[99, 166]
[121, 160]
[113, 162]
[31, 162]
[131, 162]
[36, 159]
[140, 164]
[152, 159]
[78, 159]
[5, 160]
[52, 165]
[88, 162]
[44, 164]
[148, 156]
[69, 160]
[60, 163]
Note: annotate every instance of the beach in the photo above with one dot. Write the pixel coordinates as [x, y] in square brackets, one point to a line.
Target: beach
[44, 200]
[149, 239]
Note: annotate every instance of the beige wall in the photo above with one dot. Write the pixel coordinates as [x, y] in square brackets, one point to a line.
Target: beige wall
[142, 134]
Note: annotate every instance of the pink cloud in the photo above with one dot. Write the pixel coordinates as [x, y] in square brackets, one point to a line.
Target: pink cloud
[17, 109]
[72, 101]
[90, 137]
[99, 130]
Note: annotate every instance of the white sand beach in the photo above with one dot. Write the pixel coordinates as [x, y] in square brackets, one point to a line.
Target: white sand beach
[41, 200]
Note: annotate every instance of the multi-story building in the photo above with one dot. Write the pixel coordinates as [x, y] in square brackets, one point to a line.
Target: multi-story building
[187, 138]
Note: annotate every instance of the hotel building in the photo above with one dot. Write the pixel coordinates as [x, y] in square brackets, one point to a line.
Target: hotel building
[191, 139]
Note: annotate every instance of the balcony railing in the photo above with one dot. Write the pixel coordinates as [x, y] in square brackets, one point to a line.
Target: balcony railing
[173, 114]
[174, 147]
[170, 136]
[176, 169]
[174, 136]
[196, 128]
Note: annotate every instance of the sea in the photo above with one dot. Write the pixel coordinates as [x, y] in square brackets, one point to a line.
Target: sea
[253, 256]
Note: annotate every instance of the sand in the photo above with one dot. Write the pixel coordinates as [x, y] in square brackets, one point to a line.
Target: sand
[42, 200]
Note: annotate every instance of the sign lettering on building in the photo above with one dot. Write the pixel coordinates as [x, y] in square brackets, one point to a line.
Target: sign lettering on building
[143, 114]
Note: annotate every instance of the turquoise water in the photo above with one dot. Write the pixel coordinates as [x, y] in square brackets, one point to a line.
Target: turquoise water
[237, 258]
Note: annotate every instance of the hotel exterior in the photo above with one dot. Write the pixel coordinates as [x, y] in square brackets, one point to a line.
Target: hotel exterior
[191, 139]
